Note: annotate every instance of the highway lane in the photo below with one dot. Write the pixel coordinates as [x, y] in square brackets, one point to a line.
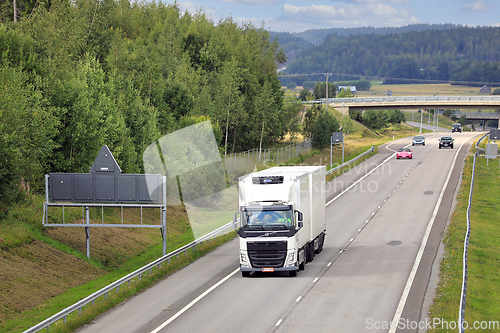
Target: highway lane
[346, 285]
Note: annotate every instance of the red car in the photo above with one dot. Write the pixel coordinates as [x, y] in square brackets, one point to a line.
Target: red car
[404, 153]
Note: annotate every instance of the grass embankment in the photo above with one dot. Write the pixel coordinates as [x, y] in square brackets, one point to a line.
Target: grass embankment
[483, 302]
[44, 270]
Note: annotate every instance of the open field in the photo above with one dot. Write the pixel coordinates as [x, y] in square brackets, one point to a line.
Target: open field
[441, 89]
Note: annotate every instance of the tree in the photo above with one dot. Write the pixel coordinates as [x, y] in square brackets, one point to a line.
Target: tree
[305, 94]
[496, 91]
[462, 120]
[323, 128]
[447, 113]
[375, 119]
[310, 119]
[320, 90]
[344, 93]
[396, 116]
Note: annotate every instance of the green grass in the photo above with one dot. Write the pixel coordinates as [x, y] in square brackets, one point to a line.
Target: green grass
[89, 312]
[483, 301]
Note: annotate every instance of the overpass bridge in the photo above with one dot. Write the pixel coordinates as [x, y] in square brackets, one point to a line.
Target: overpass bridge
[414, 103]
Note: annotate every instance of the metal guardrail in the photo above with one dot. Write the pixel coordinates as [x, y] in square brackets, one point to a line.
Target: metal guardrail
[372, 148]
[126, 279]
[463, 294]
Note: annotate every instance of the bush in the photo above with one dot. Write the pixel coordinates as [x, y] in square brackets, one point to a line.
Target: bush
[323, 128]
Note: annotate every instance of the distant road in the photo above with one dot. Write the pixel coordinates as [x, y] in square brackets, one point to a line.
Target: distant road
[428, 126]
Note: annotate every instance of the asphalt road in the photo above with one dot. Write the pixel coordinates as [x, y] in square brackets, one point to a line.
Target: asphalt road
[382, 237]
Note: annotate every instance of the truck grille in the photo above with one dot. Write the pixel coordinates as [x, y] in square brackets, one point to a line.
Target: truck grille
[267, 254]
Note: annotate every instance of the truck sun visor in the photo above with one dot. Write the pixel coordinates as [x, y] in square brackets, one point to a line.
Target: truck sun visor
[268, 180]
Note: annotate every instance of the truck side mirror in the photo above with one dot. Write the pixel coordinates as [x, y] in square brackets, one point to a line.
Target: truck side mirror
[236, 219]
[300, 217]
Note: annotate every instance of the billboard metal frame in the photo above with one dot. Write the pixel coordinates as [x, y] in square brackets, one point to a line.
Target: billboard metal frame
[86, 205]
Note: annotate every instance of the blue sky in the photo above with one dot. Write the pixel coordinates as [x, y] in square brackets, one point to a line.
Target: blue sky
[296, 16]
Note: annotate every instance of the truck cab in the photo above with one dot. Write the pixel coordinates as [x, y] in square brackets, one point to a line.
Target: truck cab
[281, 219]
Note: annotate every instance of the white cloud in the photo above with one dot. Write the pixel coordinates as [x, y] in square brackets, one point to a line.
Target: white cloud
[397, 2]
[251, 2]
[193, 9]
[351, 15]
[477, 7]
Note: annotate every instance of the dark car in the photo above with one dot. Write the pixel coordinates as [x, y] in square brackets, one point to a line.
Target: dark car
[446, 141]
[456, 128]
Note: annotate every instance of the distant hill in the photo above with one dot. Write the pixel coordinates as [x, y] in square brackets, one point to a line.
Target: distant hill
[411, 54]
[316, 36]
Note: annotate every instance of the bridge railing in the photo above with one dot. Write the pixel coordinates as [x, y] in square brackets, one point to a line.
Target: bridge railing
[407, 99]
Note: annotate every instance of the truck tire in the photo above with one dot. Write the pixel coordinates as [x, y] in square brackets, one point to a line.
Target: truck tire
[302, 265]
[310, 252]
[292, 273]
[321, 240]
[245, 274]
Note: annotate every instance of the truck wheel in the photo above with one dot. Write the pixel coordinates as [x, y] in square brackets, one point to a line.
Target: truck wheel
[292, 273]
[302, 265]
[245, 274]
[321, 240]
[310, 252]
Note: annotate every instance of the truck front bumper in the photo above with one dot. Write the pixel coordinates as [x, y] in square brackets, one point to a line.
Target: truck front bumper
[269, 269]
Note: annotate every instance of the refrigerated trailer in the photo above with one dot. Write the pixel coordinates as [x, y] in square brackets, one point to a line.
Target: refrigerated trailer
[281, 218]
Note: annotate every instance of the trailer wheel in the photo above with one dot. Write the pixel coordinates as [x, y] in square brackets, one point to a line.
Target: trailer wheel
[321, 240]
[245, 274]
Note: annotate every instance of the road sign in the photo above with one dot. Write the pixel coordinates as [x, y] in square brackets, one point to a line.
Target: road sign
[491, 150]
[337, 137]
[494, 134]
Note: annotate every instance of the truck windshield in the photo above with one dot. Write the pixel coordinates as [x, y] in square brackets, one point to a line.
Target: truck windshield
[268, 218]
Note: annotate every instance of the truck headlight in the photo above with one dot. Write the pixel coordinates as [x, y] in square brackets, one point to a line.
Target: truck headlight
[243, 258]
[290, 261]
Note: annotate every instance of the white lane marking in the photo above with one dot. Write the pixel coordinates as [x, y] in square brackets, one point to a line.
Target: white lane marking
[193, 302]
[279, 322]
[315, 280]
[329, 264]
[298, 298]
[387, 147]
[369, 173]
[409, 282]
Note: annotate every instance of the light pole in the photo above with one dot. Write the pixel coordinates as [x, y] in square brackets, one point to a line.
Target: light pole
[327, 75]
[421, 116]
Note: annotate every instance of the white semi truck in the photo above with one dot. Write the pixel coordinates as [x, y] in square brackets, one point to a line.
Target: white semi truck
[281, 218]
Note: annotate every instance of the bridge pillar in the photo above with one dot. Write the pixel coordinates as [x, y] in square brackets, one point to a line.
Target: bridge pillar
[498, 121]
[345, 110]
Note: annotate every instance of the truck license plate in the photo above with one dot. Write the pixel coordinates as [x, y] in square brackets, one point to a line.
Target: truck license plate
[268, 269]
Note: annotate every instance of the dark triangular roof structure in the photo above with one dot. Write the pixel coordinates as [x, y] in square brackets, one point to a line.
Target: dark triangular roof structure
[105, 162]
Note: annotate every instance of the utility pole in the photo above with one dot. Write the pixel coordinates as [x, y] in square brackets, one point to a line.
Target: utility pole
[327, 75]
[15, 11]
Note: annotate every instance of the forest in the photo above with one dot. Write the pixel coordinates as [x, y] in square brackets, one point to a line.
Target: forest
[456, 54]
[75, 75]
